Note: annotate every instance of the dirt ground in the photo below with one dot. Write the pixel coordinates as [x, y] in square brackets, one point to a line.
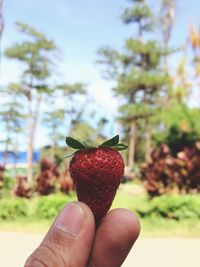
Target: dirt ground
[147, 252]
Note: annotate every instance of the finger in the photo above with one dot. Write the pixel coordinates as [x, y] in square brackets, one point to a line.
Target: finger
[69, 240]
[114, 238]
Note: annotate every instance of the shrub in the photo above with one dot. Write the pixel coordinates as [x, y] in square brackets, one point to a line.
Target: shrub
[177, 207]
[155, 174]
[49, 206]
[66, 182]
[8, 184]
[2, 169]
[21, 189]
[12, 208]
[185, 170]
[47, 178]
[165, 173]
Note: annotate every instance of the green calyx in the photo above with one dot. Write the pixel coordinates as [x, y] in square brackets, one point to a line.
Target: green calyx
[111, 143]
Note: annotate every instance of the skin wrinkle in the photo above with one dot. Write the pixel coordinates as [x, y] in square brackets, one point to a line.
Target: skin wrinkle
[59, 257]
[58, 238]
[35, 263]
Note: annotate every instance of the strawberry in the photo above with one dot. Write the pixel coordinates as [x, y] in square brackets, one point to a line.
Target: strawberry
[96, 172]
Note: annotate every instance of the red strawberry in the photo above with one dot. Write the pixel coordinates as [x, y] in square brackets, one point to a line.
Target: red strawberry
[96, 173]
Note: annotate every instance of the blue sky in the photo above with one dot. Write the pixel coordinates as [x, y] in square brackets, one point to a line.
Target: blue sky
[80, 28]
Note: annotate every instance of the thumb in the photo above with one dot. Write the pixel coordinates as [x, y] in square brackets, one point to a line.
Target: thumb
[69, 240]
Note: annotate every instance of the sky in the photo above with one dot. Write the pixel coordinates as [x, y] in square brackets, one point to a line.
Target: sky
[80, 28]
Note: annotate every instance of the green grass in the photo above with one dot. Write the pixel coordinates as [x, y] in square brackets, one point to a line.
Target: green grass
[169, 228]
[129, 196]
[154, 225]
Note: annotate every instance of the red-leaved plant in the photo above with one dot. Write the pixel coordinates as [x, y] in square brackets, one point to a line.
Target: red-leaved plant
[66, 182]
[165, 173]
[22, 189]
[2, 169]
[47, 178]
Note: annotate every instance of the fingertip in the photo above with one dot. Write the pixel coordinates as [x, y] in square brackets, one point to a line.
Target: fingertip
[87, 210]
[75, 217]
[128, 219]
[115, 236]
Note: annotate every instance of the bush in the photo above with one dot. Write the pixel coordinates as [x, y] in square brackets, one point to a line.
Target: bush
[21, 189]
[66, 182]
[12, 208]
[177, 207]
[8, 184]
[49, 206]
[2, 169]
[155, 174]
[165, 173]
[46, 181]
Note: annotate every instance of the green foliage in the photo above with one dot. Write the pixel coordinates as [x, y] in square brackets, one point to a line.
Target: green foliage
[71, 89]
[49, 206]
[32, 52]
[8, 183]
[140, 78]
[178, 126]
[150, 51]
[84, 131]
[13, 208]
[11, 117]
[177, 207]
[177, 140]
[139, 13]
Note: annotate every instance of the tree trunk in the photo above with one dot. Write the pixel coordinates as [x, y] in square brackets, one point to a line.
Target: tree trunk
[7, 142]
[5, 153]
[132, 142]
[166, 58]
[32, 123]
[52, 151]
[148, 141]
[30, 146]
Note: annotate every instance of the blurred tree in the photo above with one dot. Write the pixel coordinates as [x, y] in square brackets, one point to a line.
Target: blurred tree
[83, 131]
[56, 116]
[194, 40]
[71, 95]
[12, 118]
[167, 16]
[180, 127]
[54, 120]
[1, 24]
[36, 55]
[140, 80]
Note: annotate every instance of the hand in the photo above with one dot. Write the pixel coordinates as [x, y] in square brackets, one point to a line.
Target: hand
[73, 242]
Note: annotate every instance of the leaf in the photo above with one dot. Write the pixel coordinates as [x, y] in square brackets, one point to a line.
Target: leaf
[111, 142]
[120, 147]
[73, 143]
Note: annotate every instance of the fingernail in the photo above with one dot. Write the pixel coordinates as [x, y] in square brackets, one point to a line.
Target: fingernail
[71, 219]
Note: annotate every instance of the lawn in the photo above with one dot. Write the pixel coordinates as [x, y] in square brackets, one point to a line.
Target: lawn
[154, 215]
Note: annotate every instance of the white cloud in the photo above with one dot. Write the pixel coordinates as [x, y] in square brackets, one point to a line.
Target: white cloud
[10, 71]
[102, 95]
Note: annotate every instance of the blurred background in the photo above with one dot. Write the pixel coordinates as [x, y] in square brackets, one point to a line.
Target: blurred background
[91, 70]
